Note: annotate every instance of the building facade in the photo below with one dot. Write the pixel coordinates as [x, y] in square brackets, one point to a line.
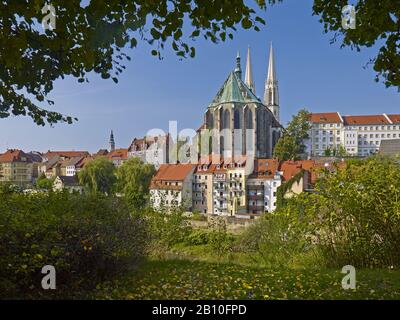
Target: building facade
[16, 167]
[356, 135]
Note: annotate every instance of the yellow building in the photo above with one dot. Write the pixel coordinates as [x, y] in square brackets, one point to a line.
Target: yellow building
[16, 167]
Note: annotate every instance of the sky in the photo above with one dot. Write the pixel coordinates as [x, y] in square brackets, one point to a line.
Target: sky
[312, 74]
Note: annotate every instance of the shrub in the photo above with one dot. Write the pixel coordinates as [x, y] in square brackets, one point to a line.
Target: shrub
[166, 228]
[87, 238]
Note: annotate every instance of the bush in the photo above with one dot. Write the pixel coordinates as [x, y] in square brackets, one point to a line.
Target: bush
[87, 238]
[352, 217]
[166, 228]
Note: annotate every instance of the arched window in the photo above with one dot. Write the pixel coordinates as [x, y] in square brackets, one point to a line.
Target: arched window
[209, 119]
[249, 118]
[226, 123]
[237, 119]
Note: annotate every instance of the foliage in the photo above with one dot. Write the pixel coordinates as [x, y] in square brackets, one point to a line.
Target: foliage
[44, 183]
[197, 216]
[166, 228]
[87, 238]
[353, 217]
[133, 181]
[285, 187]
[357, 214]
[219, 239]
[98, 176]
[93, 37]
[291, 145]
[377, 23]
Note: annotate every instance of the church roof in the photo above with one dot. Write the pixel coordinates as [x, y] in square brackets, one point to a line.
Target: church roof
[234, 90]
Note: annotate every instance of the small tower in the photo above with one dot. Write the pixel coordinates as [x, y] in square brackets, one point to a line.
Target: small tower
[249, 73]
[112, 142]
[238, 69]
[271, 95]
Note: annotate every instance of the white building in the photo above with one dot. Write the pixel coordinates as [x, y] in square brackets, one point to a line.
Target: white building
[172, 186]
[153, 150]
[262, 186]
[358, 135]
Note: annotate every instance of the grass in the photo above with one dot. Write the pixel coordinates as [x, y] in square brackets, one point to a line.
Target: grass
[188, 278]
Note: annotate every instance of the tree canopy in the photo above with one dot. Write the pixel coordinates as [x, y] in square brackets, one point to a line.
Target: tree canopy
[291, 145]
[98, 176]
[93, 38]
[133, 181]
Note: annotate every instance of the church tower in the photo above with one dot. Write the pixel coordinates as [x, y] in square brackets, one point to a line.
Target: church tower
[271, 95]
[112, 142]
[249, 73]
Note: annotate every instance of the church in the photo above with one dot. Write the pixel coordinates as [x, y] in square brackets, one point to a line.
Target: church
[237, 123]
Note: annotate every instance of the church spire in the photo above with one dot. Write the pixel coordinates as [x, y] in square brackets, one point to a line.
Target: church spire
[271, 95]
[112, 142]
[238, 69]
[249, 73]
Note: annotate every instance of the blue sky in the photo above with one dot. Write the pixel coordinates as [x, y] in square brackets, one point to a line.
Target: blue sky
[312, 73]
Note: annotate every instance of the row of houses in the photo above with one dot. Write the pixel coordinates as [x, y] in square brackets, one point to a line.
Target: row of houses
[23, 169]
[232, 187]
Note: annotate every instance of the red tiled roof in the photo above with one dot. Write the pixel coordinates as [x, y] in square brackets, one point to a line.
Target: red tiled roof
[265, 168]
[118, 154]
[365, 120]
[395, 118]
[173, 172]
[14, 155]
[325, 117]
[68, 154]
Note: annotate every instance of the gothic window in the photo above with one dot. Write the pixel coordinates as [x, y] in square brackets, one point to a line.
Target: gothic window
[237, 119]
[226, 119]
[249, 118]
[209, 120]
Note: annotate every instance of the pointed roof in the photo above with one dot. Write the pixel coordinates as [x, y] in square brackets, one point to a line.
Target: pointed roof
[234, 90]
[249, 73]
[271, 78]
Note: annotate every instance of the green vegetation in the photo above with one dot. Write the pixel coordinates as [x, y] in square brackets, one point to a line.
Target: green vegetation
[188, 279]
[133, 181]
[44, 183]
[102, 248]
[87, 238]
[98, 176]
[291, 145]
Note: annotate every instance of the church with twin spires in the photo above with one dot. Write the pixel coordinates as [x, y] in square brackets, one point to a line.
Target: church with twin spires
[242, 124]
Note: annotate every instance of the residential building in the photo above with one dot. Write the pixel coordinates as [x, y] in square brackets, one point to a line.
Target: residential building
[118, 156]
[151, 149]
[16, 167]
[262, 186]
[70, 183]
[359, 135]
[172, 186]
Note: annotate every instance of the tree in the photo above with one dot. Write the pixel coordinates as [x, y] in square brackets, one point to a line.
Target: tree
[133, 181]
[44, 183]
[92, 37]
[291, 145]
[98, 176]
[376, 22]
